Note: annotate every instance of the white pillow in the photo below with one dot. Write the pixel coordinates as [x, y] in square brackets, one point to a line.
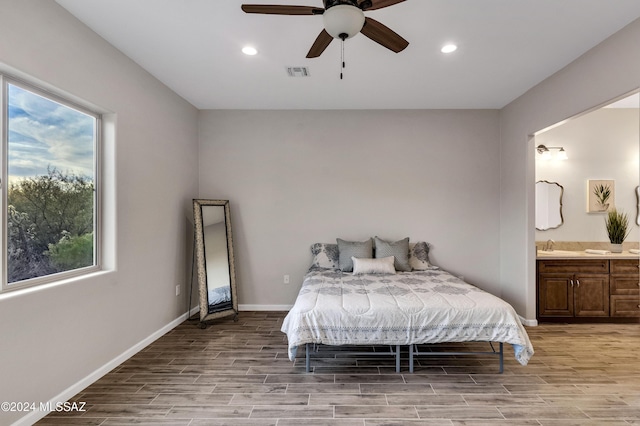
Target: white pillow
[382, 265]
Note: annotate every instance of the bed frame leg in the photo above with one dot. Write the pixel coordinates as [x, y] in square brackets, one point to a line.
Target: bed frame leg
[307, 361]
[397, 358]
[501, 359]
[410, 358]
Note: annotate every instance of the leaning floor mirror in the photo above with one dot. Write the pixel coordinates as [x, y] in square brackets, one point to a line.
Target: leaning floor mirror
[214, 260]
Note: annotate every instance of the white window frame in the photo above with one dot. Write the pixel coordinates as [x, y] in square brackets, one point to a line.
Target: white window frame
[5, 80]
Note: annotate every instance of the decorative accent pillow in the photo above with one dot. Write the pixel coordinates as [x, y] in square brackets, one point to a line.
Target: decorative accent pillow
[383, 265]
[349, 249]
[419, 256]
[325, 255]
[399, 250]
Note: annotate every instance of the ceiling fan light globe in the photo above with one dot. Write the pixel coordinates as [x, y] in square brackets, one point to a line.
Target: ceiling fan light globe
[343, 19]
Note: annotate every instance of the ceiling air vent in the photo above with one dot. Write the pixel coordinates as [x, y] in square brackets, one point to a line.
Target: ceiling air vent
[298, 71]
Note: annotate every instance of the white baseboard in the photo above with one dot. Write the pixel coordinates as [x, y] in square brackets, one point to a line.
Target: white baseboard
[286, 308]
[528, 322]
[194, 311]
[74, 389]
[279, 308]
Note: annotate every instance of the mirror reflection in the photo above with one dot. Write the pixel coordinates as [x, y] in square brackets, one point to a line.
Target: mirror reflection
[214, 259]
[548, 205]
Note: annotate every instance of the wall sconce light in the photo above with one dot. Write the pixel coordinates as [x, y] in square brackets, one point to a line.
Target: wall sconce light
[545, 152]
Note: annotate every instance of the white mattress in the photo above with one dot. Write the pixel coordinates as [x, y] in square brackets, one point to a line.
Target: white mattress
[433, 306]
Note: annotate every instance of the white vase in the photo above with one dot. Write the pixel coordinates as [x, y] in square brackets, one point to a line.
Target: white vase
[616, 248]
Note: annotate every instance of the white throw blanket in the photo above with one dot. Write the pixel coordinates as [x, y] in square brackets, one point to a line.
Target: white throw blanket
[432, 306]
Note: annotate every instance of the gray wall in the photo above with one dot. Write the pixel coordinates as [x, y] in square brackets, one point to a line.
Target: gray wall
[299, 177]
[56, 336]
[607, 71]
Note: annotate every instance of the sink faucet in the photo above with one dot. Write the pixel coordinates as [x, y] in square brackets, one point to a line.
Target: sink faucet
[549, 245]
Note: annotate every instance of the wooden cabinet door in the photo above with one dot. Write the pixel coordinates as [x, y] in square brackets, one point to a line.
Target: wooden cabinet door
[591, 294]
[555, 295]
[625, 306]
[625, 266]
[625, 288]
[625, 285]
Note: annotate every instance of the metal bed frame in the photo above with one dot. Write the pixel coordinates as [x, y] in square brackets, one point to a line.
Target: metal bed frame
[314, 347]
[414, 351]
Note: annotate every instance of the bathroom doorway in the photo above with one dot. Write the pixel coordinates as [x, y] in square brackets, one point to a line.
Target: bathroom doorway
[602, 146]
[587, 168]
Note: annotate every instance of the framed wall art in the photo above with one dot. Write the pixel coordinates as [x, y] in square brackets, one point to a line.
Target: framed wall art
[600, 196]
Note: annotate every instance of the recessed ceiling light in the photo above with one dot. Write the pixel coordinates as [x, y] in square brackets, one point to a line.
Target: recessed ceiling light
[448, 48]
[248, 50]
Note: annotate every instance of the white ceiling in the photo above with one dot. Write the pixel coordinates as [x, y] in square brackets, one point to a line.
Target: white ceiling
[505, 48]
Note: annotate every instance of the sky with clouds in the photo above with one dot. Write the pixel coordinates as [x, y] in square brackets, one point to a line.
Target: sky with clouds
[46, 134]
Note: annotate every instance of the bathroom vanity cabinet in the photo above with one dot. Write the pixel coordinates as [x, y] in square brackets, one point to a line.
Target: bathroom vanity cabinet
[573, 290]
[624, 288]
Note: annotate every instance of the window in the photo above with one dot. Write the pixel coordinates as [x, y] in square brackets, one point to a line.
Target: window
[49, 191]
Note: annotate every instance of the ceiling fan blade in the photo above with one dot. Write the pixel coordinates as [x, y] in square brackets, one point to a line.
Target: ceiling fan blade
[379, 4]
[275, 9]
[383, 35]
[322, 41]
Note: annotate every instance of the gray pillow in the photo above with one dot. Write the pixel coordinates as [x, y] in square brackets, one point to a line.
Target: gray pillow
[348, 249]
[398, 249]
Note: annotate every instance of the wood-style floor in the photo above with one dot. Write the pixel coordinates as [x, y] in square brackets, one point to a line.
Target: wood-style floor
[237, 373]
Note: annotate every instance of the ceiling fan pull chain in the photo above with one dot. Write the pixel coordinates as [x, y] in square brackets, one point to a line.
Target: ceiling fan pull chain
[342, 53]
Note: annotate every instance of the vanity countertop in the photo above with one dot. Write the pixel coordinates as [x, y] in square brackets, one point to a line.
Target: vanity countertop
[567, 254]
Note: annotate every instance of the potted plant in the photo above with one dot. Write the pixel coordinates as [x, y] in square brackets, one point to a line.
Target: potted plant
[617, 224]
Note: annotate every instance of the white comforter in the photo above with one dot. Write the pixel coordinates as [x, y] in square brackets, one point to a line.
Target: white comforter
[432, 306]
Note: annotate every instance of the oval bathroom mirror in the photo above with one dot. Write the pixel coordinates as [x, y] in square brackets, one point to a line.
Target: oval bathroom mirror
[548, 205]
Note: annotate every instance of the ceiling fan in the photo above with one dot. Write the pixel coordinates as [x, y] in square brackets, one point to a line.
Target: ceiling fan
[343, 19]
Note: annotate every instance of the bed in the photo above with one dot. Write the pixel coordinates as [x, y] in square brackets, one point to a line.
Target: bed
[422, 304]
